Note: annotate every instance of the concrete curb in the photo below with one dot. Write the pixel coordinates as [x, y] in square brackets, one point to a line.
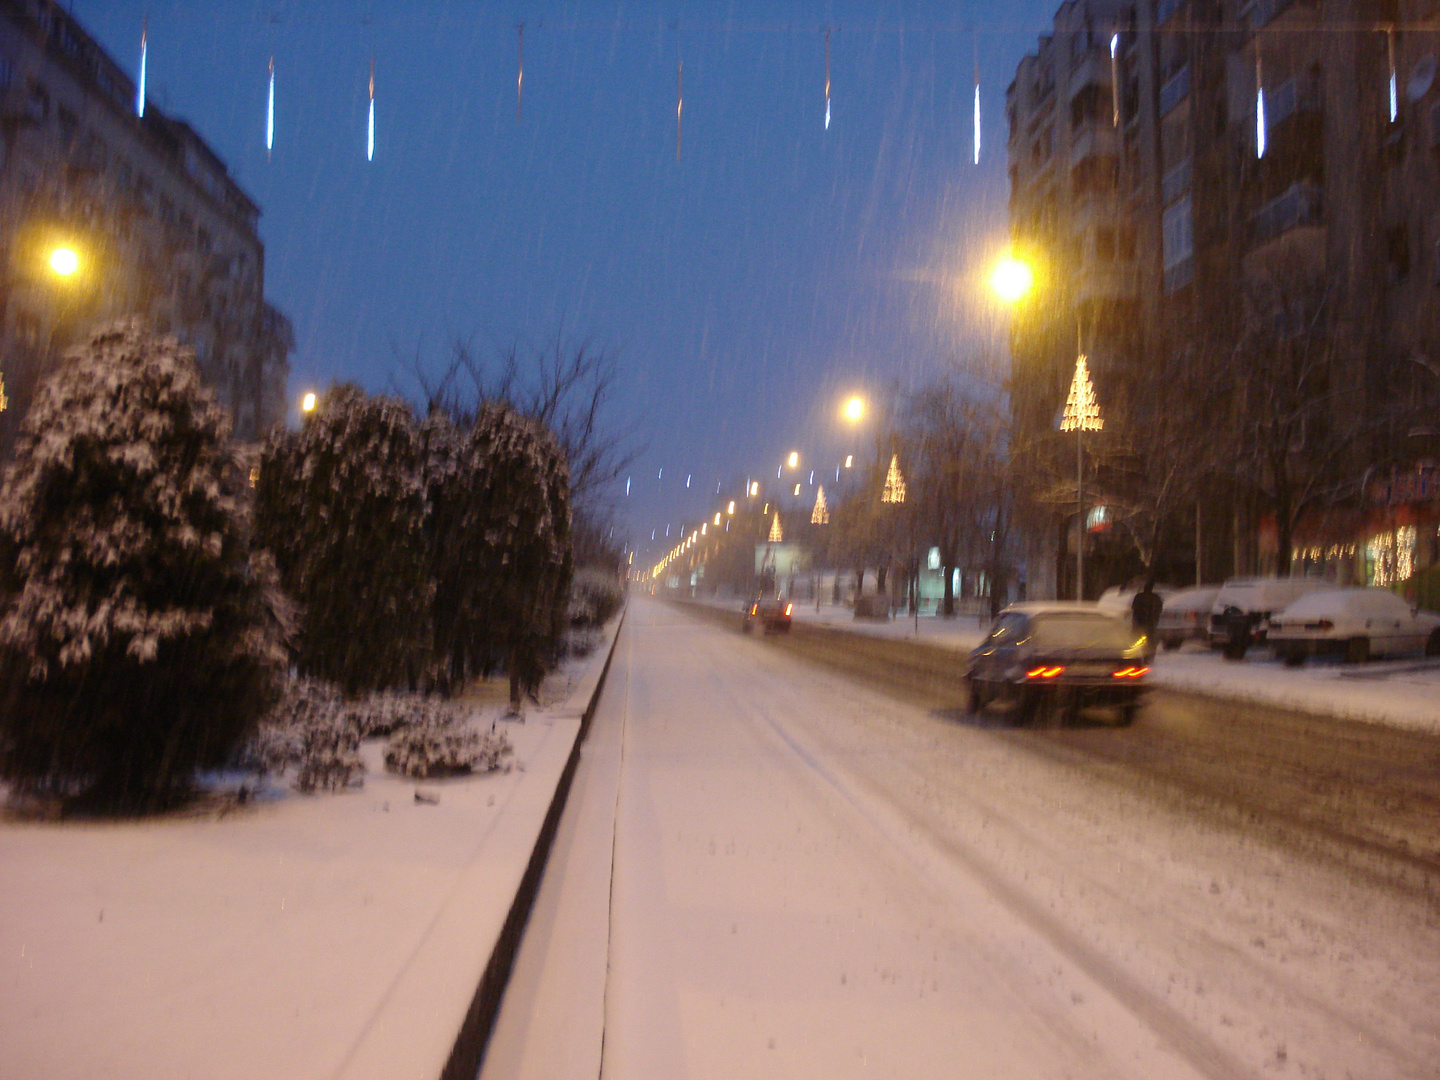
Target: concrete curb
[469, 1048]
[437, 1019]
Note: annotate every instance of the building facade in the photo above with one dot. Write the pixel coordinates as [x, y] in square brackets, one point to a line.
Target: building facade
[157, 225]
[1269, 378]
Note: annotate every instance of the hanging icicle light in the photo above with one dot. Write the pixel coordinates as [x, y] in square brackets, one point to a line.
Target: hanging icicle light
[976, 121]
[977, 113]
[270, 113]
[1115, 80]
[679, 103]
[1394, 97]
[370, 130]
[627, 486]
[827, 78]
[140, 83]
[1259, 105]
[519, 70]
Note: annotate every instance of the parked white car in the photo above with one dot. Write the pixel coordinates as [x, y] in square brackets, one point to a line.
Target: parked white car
[1186, 616]
[1356, 624]
[1258, 599]
[1117, 598]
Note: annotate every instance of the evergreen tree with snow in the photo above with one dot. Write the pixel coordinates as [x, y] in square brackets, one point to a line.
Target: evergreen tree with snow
[523, 507]
[342, 505]
[139, 639]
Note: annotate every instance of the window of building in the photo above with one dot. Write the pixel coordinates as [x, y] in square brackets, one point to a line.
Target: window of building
[1177, 233]
[1397, 251]
[1104, 245]
[69, 124]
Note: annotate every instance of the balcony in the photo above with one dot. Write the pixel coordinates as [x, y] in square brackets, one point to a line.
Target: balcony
[1093, 70]
[1094, 140]
[1175, 90]
[1175, 183]
[1096, 281]
[1300, 205]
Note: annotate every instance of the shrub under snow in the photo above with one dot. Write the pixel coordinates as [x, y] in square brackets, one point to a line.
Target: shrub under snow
[444, 745]
[139, 639]
[316, 731]
[595, 597]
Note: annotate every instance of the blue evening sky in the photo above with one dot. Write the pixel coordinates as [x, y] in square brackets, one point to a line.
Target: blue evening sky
[745, 289]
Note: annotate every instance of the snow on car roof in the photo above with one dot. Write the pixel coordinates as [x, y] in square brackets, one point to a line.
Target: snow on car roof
[1345, 598]
[1059, 607]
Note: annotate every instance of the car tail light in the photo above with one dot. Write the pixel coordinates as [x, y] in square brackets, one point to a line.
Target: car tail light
[1044, 672]
[1132, 672]
[787, 610]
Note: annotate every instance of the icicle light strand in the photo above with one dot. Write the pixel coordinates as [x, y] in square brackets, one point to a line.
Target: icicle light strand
[140, 84]
[827, 78]
[1259, 107]
[1394, 95]
[370, 130]
[270, 113]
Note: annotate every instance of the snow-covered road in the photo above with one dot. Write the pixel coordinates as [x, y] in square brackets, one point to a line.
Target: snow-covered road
[813, 880]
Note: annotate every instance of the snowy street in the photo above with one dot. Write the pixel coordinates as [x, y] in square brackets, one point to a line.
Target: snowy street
[767, 869]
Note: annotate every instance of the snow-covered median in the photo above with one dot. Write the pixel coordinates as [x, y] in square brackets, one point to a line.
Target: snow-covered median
[337, 935]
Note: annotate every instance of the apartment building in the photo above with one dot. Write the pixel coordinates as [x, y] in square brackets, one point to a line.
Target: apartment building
[1276, 191]
[157, 223]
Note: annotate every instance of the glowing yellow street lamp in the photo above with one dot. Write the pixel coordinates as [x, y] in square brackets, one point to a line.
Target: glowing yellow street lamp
[854, 409]
[794, 459]
[307, 403]
[1012, 278]
[65, 261]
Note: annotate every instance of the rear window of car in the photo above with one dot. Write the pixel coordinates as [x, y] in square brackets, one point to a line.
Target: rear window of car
[1082, 630]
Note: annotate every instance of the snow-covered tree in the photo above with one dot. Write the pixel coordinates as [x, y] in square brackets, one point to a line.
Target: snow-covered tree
[342, 505]
[139, 639]
[523, 508]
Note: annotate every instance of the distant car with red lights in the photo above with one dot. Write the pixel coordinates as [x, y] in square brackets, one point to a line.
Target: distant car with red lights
[1056, 658]
[772, 615]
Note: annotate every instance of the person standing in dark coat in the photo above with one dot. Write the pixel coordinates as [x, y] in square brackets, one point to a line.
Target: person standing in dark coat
[1145, 612]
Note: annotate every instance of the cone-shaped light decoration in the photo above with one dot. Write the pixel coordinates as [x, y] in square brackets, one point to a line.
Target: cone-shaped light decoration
[776, 536]
[894, 490]
[1082, 410]
[821, 514]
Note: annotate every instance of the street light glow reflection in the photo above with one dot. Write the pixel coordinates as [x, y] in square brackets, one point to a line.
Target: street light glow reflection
[854, 409]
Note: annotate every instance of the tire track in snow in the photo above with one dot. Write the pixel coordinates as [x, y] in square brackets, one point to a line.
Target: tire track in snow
[904, 831]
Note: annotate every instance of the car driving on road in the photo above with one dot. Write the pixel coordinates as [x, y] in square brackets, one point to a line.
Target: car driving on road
[772, 615]
[1354, 624]
[1055, 657]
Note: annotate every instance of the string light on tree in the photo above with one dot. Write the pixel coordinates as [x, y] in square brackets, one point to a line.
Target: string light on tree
[1082, 409]
[821, 514]
[1082, 414]
[894, 489]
